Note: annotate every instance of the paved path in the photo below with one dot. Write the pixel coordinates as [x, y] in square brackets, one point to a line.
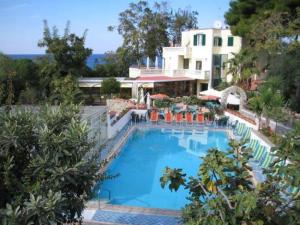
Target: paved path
[114, 217]
[126, 215]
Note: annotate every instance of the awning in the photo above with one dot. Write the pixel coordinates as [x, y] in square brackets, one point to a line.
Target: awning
[211, 92]
[233, 99]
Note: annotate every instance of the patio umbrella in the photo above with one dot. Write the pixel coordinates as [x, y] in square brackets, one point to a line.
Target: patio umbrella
[211, 92]
[148, 101]
[148, 62]
[159, 96]
[209, 98]
[142, 97]
[156, 62]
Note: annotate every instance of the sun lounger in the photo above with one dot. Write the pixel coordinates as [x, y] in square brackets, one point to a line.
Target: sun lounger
[178, 118]
[200, 118]
[189, 117]
[259, 153]
[168, 117]
[154, 116]
[246, 134]
[267, 160]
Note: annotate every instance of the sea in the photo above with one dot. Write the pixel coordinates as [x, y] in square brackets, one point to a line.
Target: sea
[92, 61]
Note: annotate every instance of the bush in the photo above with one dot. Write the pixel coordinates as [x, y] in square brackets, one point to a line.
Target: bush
[191, 100]
[162, 103]
[110, 86]
[47, 167]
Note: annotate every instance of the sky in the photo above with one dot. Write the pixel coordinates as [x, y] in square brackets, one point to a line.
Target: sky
[21, 21]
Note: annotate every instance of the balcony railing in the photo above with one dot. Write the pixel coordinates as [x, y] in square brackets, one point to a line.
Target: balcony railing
[197, 74]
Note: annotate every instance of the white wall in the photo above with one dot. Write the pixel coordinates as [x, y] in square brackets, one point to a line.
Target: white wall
[233, 118]
[112, 130]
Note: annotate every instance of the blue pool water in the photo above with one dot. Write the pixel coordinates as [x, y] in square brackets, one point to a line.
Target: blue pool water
[143, 158]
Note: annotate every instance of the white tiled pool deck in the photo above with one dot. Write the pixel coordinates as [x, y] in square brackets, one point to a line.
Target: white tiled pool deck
[121, 215]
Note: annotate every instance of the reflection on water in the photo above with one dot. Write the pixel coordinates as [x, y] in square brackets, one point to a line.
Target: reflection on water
[195, 141]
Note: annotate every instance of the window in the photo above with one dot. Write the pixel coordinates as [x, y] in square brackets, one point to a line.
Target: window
[198, 65]
[185, 63]
[199, 39]
[230, 41]
[217, 41]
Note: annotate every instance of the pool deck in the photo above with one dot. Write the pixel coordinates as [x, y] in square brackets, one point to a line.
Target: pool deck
[120, 215]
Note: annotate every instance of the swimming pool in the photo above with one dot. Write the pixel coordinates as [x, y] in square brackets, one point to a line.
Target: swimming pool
[143, 158]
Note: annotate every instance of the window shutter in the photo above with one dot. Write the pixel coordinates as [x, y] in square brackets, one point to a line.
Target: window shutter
[230, 41]
[203, 39]
[195, 40]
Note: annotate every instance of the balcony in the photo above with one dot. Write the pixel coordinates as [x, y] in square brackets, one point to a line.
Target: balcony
[184, 51]
[144, 72]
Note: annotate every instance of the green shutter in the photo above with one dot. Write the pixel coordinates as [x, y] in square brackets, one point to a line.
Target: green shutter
[203, 39]
[195, 40]
[230, 41]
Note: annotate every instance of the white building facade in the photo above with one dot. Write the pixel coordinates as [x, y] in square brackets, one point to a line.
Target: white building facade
[202, 56]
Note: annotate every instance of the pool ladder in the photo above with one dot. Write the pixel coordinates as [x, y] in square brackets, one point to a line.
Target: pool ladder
[99, 192]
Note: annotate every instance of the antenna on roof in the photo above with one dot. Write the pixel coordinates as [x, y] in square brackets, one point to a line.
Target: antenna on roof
[218, 24]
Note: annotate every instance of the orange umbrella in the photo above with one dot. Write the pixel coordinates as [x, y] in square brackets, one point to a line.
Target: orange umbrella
[159, 96]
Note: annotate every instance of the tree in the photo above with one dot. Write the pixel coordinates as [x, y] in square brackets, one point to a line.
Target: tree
[65, 90]
[68, 51]
[270, 31]
[144, 29]
[256, 105]
[242, 66]
[47, 167]
[222, 192]
[182, 20]
[116, 64]
[110, 86]
[17, 75]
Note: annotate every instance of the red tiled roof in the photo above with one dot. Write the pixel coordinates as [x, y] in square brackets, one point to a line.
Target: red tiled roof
[163, 78]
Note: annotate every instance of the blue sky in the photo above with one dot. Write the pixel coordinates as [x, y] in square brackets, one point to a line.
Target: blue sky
[21, 21]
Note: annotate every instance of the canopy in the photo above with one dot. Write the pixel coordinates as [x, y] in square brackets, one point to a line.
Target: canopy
[211, 92]
[159, 96]
[233, 99]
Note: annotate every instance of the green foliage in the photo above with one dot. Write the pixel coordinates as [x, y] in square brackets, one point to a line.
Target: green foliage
[68, 51]
[147, 29]
[47, 167]
[66, 90]
[192, 100]
[182, 20]
[162, 103]
[16, 76]
[110, 86]
[270, 31]
[222, 192]
[30, 81]
[222, 86]
[116, 64]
